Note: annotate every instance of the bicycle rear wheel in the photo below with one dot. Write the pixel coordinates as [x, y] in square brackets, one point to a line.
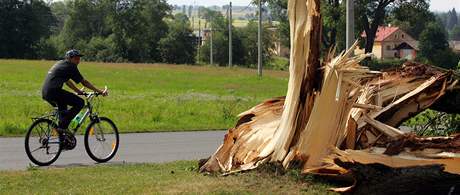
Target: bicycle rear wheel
[42, 143]
[101, 140]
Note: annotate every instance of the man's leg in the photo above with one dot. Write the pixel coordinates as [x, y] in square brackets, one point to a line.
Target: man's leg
[68, 99]
[53, 99]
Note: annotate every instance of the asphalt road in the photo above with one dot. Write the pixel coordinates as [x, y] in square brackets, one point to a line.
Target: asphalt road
[134, 148]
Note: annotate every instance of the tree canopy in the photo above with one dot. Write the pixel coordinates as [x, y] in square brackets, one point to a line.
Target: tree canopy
[434, 47]
[23, 24]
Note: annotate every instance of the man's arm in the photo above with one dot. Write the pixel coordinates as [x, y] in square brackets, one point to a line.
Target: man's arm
[88, 84]
[72, 86]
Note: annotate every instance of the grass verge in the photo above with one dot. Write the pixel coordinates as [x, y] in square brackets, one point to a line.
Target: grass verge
[175, 177]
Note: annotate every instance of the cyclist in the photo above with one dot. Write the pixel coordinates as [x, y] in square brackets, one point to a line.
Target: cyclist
[52, 91]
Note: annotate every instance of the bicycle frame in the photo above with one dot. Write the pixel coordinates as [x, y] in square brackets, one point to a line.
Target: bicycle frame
[89, 110]
[89, 96]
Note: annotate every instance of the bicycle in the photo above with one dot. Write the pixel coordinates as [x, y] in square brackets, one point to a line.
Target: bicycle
[44, 143]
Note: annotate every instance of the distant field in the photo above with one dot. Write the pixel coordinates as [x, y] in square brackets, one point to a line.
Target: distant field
[202, 22]
[169, 178]
[144, 97]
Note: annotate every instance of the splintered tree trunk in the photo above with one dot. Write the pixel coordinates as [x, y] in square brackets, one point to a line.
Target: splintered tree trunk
[305, 24]
[340, 104]
[267, 130]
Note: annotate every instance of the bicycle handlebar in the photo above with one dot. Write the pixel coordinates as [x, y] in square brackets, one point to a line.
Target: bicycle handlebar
[89, 94]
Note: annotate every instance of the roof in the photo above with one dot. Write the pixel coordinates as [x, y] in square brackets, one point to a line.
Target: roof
[404, 45]
[382, 32]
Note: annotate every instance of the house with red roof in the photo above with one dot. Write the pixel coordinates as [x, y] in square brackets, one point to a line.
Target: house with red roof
[392, 43]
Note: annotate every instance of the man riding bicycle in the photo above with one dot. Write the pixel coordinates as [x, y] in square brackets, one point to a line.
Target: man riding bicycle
[52, 91]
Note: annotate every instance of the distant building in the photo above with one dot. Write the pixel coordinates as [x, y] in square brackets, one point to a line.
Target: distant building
[455, 46]
[200, 39]
[392, 43]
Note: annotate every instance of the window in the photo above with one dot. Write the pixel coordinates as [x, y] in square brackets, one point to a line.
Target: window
[388, 47]
[402, 36]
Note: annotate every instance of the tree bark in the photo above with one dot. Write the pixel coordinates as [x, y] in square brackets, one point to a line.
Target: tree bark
[377, 20]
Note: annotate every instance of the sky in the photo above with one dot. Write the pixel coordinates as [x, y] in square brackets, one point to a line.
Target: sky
[436, 5]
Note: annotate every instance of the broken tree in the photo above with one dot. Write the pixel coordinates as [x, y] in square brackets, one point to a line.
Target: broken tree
[338, 109]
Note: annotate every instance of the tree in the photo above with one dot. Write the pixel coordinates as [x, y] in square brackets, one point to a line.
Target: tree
[86, 19]
[455, 33]
[190, 11]
[434, 47]
[278, 8]
[249, 40]
[60, 10]
[23, 24]
[412, 16]
[372, 15]
[85, 25]
[178, 46]
[208, 15]
[333, 13]
[220, 43]
[155, 13]
[102, 49]
[334, 25]
[135, 28]
[452, 19]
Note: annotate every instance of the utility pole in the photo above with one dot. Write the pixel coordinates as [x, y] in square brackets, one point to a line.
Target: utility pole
[199, 34]
[230, 35]
[193, 18]
[350, 23]
[259, 41]
[211, 52]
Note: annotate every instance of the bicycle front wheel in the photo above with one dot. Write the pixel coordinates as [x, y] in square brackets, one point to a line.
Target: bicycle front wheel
[101, 140]
[42, 143]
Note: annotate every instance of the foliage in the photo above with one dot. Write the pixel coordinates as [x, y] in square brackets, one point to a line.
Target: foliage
[24, 26]
[375, 64]
[178, 46]
[220, 49]
[45, 49]
[334, 25]
[277, 63]
[333, 13]
[278, 9]
[105, 30]
[434, 47]
[412, 17]
[220, 38]
[138, 26]
[434, 123]
[455, 33]
[452, 19]
[102, 49]
[250, 43]
[373, 13]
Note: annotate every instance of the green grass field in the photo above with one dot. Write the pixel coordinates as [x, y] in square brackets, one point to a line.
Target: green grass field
[144, 97]
[169, 178]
